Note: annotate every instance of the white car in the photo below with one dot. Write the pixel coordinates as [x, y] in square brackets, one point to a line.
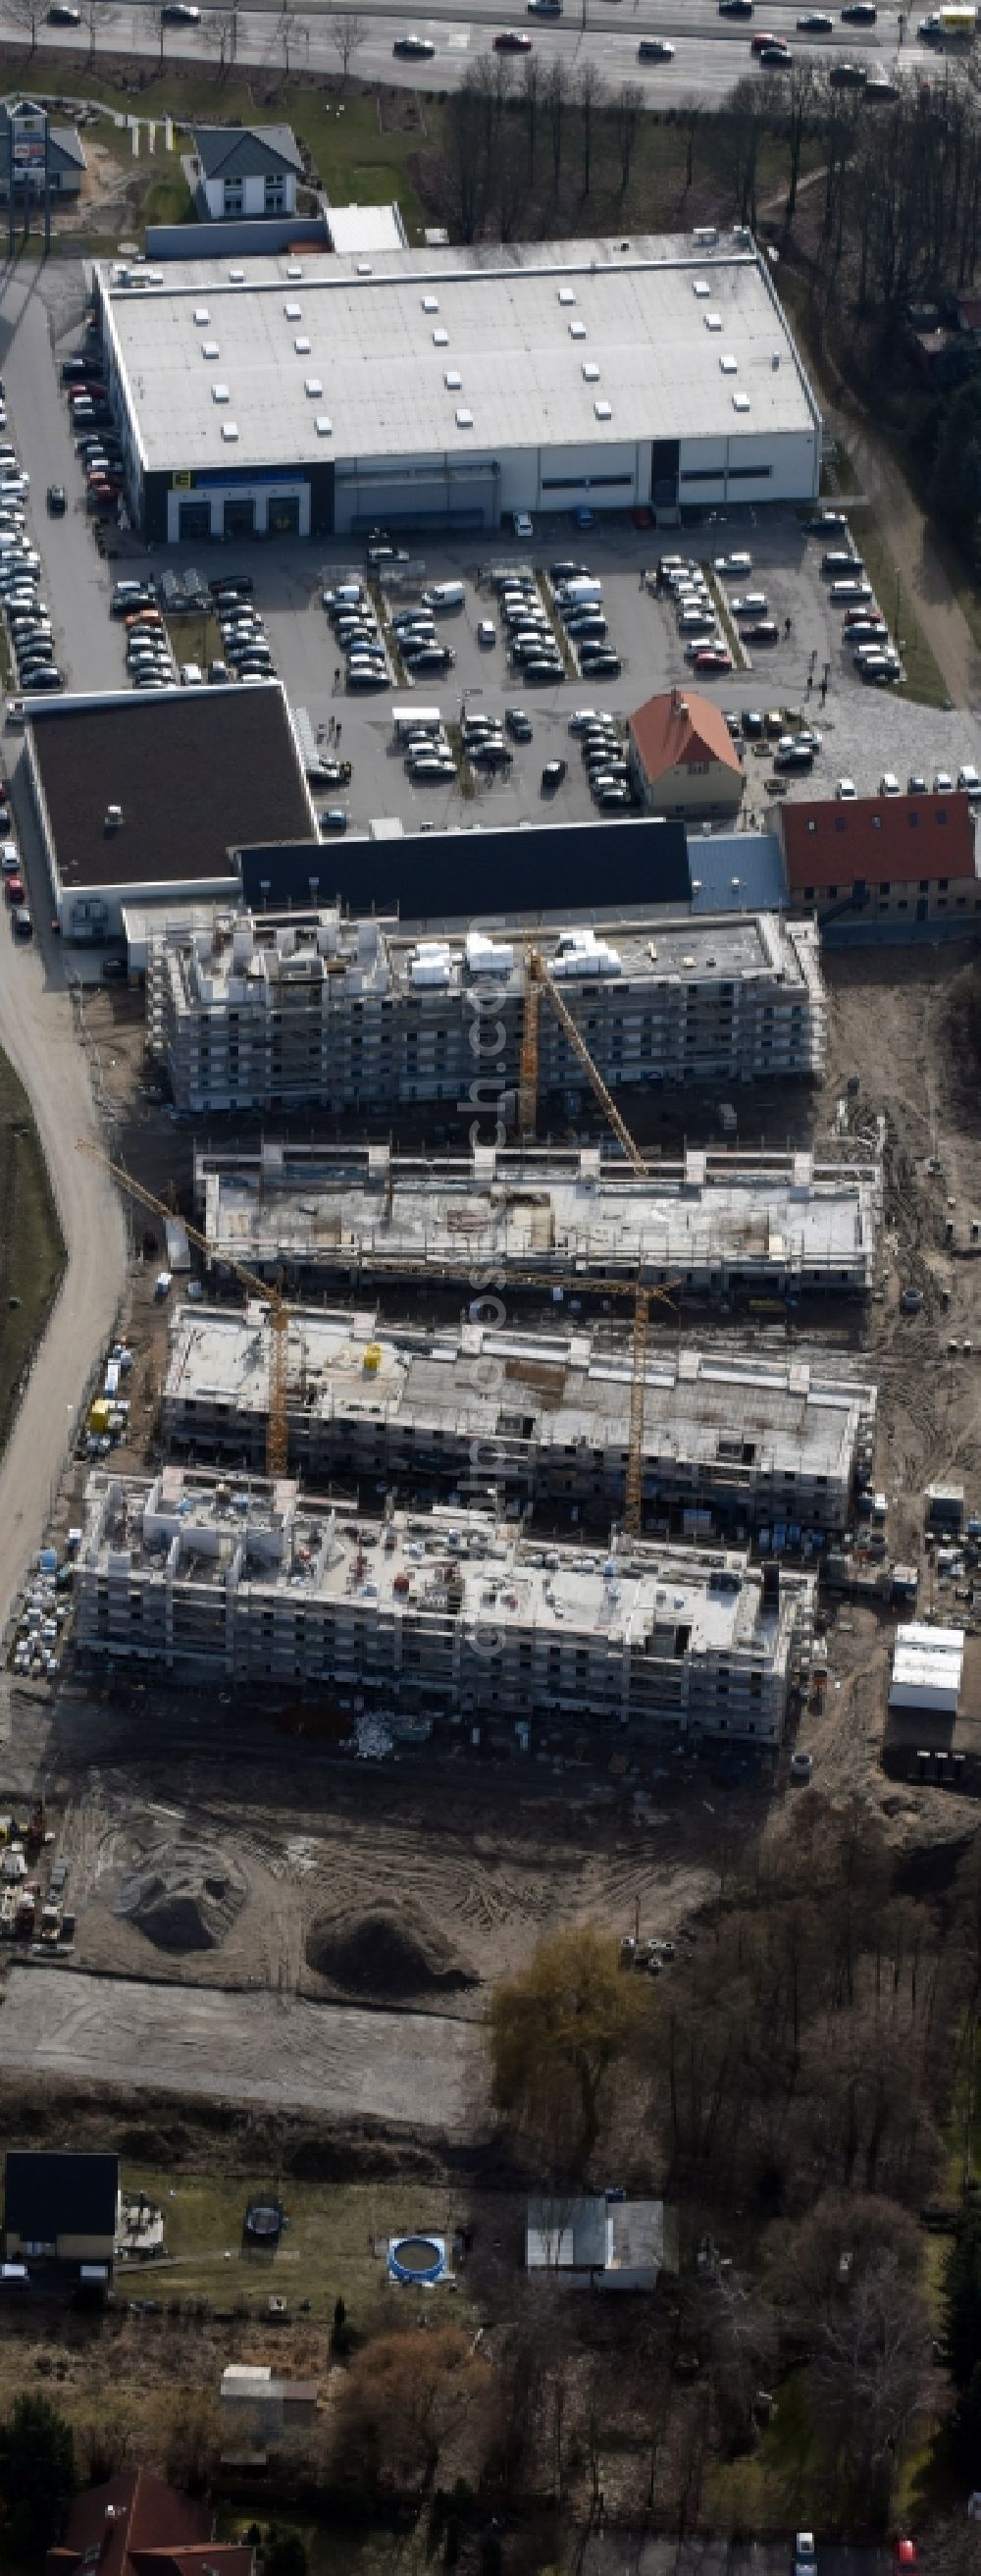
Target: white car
[846, 791]
[523, 525]
[943, 784]
[733, 567]
[889, 783]
[968, 780]
[192, 676]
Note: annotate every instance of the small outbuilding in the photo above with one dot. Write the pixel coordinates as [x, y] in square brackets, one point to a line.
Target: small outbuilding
[601, 2242]
[927, 1666]
[683, 759]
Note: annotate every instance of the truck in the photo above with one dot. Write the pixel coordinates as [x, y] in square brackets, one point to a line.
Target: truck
[957, 24]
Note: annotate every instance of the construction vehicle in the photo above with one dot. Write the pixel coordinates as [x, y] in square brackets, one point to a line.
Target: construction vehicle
[269, 1295]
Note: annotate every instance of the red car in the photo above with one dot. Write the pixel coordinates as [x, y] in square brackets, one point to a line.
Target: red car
[512, 40]
[14, 889]
[713, 659]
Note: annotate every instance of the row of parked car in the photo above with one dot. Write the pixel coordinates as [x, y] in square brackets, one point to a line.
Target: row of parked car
[428, 756]
[579, 600]
[865, 633]
[97, 443]
[26, 614]
[705, 646]
[604, 759]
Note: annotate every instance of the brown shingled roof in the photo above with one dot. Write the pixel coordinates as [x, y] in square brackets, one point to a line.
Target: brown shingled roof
[680, 729]
[884, 840]
[135, 2525]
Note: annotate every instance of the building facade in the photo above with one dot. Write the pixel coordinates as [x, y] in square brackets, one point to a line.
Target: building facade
[440, 386]
[255, 1015]
[246, 170]
[543, 1419]
[437, 1618]
[883, 866]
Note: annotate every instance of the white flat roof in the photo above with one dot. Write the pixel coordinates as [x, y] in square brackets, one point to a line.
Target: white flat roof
[363, 229]
[381, 333]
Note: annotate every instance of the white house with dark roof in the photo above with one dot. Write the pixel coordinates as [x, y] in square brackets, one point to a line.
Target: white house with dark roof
[22, 143]
[246, 170]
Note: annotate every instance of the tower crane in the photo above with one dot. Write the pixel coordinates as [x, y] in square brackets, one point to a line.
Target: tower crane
[277, 1422]
[537, 981]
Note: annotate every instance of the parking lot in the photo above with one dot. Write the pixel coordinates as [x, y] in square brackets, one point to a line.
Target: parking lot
[864, 731]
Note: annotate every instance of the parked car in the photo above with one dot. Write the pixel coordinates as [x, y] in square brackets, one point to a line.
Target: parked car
[518, 724]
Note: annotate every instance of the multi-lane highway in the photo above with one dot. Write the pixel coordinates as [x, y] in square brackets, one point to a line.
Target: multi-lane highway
[711, 53]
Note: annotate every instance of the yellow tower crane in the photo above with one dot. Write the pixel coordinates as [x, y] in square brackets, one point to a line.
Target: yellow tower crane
[277, 1422]
[537, 981]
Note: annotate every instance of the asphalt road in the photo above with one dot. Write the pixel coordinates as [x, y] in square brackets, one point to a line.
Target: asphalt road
[37, 1022]
[633, 2554]
[711, 53]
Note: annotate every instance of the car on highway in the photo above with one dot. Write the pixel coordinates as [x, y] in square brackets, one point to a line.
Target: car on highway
[879, 89]
[815, 24]
[655, 49]
[544, 8]
[180, 13]
[415, 48]
[512, 40]
[60, 15]
[859, 13]
[776, 58]
[848, 75]
[735, 8]
[763, 36]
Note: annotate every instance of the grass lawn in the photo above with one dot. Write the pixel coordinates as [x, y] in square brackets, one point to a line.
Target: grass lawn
[924, 680]
[357, 160]
[31, 1249]
[324, 2254]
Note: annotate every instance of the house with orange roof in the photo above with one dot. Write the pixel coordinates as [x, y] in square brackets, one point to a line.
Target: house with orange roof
[683, 759]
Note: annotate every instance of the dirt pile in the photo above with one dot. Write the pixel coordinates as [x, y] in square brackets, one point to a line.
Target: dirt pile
[184, 1895]
[381, 1956]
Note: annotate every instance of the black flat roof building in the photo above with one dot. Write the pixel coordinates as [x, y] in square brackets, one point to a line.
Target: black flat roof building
[140, 798]
[436, 876]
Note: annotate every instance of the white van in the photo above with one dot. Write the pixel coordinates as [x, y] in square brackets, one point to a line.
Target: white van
[444, 594]
[576, 594]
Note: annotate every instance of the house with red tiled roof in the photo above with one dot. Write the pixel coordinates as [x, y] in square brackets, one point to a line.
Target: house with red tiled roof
[683, 759]
[893, 861]
[135, 2525]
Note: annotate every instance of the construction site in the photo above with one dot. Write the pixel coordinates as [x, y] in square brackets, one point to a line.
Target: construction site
[716, 1221]
[533, 1421]
[435, 1620]
[256, 1013]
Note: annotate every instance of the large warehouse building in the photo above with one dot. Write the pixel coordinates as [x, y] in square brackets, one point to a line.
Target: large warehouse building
[435, 1618]
[453, 386]
[729, 1442]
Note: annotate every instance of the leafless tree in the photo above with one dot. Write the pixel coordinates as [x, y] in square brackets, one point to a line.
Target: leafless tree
[591, 97]
[27, 15]
[347, 34]
[291, 34]
[220, 29]
[629, 108]
[867, 2374]
[557, 101]
[98, 16]
[531, 90]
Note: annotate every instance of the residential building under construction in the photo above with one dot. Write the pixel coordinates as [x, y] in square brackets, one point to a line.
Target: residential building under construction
[255, 1013]
[436, 1619]
[714, 1223]
[729, 1441]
